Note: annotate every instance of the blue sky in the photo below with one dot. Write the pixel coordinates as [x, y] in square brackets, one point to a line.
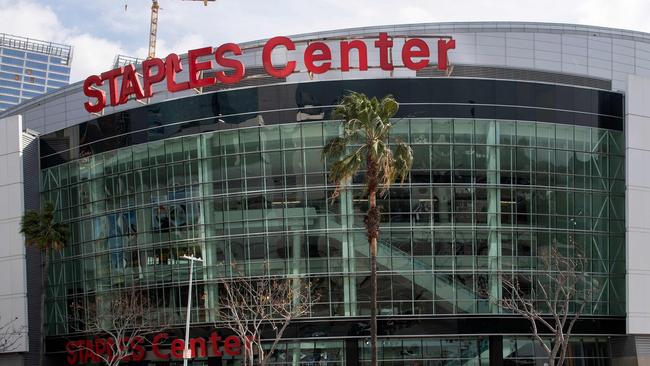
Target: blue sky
[100, 29]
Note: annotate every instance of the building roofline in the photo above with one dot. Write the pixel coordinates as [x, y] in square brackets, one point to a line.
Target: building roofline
[402, 29]
[35, 45]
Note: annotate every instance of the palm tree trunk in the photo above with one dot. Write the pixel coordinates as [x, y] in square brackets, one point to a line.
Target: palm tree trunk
[46, 266]
[373, 309]
[372, 227]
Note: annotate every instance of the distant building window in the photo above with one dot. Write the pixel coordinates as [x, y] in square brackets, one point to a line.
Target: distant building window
[9, 91]
[7, 98]
[12, 84]
[14, 53]
[56, 83]
[36, 65]
[37, 81]
[12, 61]
[11, 69]
[37, 57]
[30, 94]
[33, 87]
[58, 77]
[60, 69]
[40, 74]
[4, 106]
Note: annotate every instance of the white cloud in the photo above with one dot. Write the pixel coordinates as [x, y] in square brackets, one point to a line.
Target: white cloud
[92, 54]
[29, 19]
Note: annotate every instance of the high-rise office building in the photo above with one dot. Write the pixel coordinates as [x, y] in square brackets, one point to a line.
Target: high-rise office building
[29, 68]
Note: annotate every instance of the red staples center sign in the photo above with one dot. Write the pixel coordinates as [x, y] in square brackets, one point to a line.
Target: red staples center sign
[317, 60]
[163, 347]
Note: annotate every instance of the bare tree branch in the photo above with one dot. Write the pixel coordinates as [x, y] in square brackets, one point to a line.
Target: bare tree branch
[561, 282]
[253, 307]
[11, 335]
[120, 324]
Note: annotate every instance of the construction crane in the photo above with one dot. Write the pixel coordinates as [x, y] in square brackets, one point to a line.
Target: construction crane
[153, 27]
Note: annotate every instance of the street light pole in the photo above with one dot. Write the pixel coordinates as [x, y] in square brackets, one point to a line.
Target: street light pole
[186, 351]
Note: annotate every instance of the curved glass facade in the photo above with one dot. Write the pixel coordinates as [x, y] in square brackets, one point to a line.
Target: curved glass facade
[485, 196]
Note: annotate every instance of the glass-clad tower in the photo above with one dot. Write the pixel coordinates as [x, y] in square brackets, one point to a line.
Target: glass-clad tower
[29, 68]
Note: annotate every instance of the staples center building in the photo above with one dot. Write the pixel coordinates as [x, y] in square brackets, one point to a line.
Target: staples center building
[524, 135]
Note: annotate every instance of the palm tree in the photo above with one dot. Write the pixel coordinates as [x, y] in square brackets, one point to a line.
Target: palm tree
[366, 127]
[42, 231]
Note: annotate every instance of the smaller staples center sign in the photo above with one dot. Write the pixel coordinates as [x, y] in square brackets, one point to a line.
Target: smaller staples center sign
[162, 346]
[317, 58]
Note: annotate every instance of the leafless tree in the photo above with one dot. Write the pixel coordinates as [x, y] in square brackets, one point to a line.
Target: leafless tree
[121, 323]
[559, 292]
[254, 307]
[11, 335]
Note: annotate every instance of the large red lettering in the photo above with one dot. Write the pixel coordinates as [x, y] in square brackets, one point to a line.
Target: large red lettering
[384, 44]
[268, 62]
[172, 67]
[200, 344]
[86, 354]
[415, 54]
[91, 92]
[345, 54]
[101, 347]
[317, 52]
[214, 342]
[157, 340]
[443, 47]
[232, 345]
[138, 350]
[111, 76]
[148, 78]
[130, 85]
[72, 348]
[237, 66]
[197, 67]
[177, 347]
[408, 53]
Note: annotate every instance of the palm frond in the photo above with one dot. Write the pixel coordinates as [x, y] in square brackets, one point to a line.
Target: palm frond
[386, 168]
[334, 148]
[41, 229]
[403, 161]
[367, 121]
[389, 107]
[343, 170]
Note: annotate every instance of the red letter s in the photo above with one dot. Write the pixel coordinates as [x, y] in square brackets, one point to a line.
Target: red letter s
[94, 93]
[228, 62]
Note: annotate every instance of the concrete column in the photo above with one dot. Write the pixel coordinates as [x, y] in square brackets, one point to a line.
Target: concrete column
[13, 285]
[637, 205]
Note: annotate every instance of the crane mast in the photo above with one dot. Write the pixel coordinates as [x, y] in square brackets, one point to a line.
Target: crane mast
[153, 29]
[153, 26]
